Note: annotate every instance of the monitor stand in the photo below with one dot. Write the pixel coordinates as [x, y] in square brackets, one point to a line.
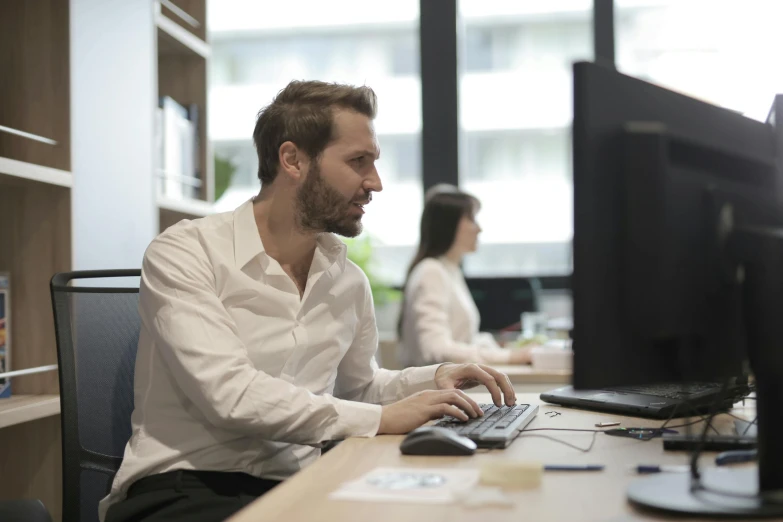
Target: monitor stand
[753, 492]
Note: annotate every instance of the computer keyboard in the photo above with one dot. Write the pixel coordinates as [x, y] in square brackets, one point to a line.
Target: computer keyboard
[671, 391]
[497, 428]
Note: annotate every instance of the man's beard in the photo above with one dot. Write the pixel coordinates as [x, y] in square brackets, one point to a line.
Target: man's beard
[320, 208]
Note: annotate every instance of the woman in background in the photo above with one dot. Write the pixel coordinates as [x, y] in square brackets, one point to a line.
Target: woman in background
[439, 320]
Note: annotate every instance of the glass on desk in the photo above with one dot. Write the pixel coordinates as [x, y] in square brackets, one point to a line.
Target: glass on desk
[559, 327]
[533, 324]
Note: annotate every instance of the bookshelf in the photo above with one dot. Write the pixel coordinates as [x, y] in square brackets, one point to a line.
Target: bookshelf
[182, 59]
[35, 224]
[25, 408]
[173, 39]
[15, 172]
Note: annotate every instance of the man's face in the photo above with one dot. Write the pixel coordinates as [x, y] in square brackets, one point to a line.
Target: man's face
[338, 186]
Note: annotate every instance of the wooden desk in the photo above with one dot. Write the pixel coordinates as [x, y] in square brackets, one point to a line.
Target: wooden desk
[526, 374]
[568, 496]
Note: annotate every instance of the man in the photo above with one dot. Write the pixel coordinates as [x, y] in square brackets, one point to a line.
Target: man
[258, 336]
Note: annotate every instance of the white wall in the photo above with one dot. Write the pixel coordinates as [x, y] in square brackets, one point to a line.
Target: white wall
[113, 90]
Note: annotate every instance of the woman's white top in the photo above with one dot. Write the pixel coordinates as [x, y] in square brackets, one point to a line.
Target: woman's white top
[441, 322]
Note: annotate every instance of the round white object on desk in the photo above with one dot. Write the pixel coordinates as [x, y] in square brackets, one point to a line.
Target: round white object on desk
[556, 354]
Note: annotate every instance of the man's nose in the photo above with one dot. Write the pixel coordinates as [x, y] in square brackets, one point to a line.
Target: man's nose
[373, 182]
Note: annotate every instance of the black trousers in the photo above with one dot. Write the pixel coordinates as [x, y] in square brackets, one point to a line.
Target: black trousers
[199, 496]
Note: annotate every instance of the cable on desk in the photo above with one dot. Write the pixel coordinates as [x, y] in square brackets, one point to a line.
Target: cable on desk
[520, 434]
[696, 483]
[747, 428]
[691, 409]
[695, 476]
[583, 450]
[700, 419]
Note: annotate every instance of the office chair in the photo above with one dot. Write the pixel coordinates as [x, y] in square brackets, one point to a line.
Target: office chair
[97, 331]
[23, 511]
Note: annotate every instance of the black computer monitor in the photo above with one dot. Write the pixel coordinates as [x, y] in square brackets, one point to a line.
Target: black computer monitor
[502, 300]
[678, 263]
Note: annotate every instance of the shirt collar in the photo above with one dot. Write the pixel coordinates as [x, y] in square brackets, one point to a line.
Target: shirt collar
[248, 245]
[333, 250]
[247, 242]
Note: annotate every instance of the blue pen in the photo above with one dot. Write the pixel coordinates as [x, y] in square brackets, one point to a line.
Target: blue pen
[586, 467]
[654, 468]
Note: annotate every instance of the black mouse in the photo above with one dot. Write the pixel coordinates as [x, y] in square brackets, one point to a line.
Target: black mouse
[430, 440]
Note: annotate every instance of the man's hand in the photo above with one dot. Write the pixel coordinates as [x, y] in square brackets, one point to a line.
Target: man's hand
[411, 412]
[464, 376]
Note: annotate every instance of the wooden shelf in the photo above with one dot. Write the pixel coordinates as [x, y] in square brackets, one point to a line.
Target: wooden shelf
[35, 95]
[187, 207]
[174, 39]
[35, 224]
[25, 408]
[191, 15]
[30, 171]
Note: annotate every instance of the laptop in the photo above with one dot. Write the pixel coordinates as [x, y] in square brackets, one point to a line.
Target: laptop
[657, 401]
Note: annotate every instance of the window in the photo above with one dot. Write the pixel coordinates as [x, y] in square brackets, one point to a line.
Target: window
[515, 116]
[723, 52]
[258, 47]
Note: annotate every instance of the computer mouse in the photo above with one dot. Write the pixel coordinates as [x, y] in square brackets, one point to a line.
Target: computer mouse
[431, 440]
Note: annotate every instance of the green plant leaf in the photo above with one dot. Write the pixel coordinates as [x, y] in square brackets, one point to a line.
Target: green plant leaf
[360, 251]
[224, 171]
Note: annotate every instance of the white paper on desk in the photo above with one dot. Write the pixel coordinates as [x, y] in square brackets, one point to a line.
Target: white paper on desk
[416, 485]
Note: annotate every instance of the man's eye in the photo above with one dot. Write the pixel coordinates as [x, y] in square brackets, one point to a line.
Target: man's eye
[360, 159]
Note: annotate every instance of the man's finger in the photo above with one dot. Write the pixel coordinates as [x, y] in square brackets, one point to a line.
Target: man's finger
[462, 400]
[443, 409]
[478, 373]
[472, 402]
[513, 391]
[504, 382]
[458, 399]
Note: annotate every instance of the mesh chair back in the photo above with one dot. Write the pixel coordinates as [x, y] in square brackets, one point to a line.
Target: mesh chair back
[97, 330]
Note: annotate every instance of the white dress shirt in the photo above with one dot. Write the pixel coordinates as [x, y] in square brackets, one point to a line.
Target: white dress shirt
[236, 372]
[441, 322]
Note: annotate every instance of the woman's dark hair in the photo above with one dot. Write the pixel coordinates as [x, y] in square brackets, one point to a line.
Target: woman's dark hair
[439, 222]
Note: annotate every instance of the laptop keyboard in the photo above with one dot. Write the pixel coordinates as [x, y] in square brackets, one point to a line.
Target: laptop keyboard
[670, 391]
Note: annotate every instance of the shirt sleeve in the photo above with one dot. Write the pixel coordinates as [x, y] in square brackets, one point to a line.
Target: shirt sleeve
[429, 310]
[198, 341]
[360, 379]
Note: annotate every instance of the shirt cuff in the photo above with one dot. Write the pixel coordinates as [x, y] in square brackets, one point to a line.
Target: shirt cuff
[357, 419]
[418, 379]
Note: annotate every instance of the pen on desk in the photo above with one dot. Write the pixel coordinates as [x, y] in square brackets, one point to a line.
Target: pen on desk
[586, 467]
[654, 468]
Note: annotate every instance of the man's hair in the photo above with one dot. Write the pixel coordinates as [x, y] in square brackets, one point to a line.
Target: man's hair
[303, 113]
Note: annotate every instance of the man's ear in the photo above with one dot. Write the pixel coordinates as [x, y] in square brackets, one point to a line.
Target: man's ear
[293, 161]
